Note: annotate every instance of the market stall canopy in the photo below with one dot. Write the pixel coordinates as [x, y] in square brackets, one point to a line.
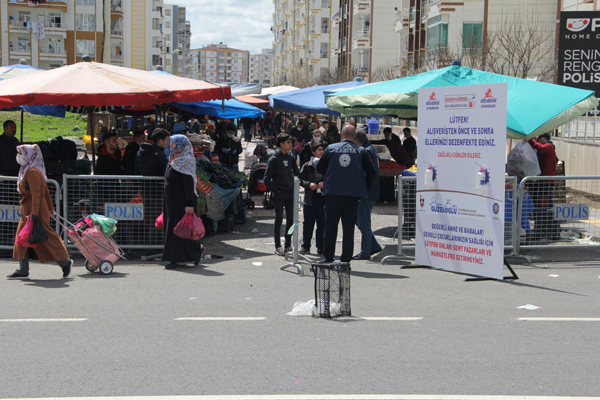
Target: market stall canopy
[311, 99]
[229, 109]
[241, 89]
[266, 92]
[533, 107]
[256, 102]
[22, 69]
[89, 83]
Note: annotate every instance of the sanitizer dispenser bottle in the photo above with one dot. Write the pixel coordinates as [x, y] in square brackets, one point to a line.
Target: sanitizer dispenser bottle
[480, 185]
[429, 176]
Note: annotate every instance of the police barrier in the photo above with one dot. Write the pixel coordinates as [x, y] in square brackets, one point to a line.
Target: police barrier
[134, 201]
[560, 211]
[10, 210]
[407, 203]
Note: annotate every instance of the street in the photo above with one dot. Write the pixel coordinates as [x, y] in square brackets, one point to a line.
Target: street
[221, 328]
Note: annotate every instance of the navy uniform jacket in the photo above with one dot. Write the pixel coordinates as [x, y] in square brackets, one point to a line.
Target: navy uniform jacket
[348, 170]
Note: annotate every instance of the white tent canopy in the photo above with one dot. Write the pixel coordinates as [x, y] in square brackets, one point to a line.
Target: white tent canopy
[266, 92]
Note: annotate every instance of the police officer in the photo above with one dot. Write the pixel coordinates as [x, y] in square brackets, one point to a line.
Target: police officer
[349, 174]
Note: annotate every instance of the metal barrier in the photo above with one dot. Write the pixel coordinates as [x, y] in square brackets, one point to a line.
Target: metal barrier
[560, 211]
[134, 201]
[407, 203]
[10, 209]
[297, 258]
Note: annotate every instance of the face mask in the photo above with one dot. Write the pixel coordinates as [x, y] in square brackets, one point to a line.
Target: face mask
[230, 136]
[20, 159]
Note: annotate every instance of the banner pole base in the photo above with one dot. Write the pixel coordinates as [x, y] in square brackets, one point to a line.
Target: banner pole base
[399, 257]
[512, 277]
[298, 267]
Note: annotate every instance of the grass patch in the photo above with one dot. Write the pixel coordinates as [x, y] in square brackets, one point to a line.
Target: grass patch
[37, 127]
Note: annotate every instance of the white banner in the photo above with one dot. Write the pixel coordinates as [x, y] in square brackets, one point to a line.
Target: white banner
[460, 179]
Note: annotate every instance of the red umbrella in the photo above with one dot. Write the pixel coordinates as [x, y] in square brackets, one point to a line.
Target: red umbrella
[95, 84]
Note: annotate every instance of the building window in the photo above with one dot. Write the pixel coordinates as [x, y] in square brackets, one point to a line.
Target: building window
[167, 24]
[85, 22]
[472, 35]
[437, 36]
[86, 47]
[24, 18]
[156, 42]
[85, 2]
[168, 12]
[156, 59]
[24, 44]
[54, 66]
[54, 46]
[155, 24]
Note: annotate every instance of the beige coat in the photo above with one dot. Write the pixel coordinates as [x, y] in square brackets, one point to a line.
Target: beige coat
[37, 201]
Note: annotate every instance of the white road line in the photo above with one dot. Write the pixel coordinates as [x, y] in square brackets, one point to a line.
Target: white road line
[559, 319]
[318, 397]
[391, 318]
[220, 319]
[44, 320]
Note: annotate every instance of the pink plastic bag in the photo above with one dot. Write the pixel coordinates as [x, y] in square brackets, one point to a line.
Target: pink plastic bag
[190, 227]
[22, 238]
[159, 223]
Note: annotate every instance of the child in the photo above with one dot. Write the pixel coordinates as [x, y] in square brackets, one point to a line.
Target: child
[314, 202]
[279, 178]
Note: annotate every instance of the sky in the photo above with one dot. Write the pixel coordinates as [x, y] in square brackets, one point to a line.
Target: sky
[241, 24]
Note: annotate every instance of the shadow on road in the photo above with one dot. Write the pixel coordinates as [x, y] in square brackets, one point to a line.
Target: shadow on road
[49, 283]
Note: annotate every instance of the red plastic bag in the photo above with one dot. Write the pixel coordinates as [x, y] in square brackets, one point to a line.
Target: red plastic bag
[22, 238]
[190, 227]
[159, 223]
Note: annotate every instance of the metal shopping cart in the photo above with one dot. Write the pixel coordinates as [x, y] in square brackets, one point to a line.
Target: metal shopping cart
[98, 248]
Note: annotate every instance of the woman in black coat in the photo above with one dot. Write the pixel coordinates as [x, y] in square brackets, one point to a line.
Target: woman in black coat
[180, 198]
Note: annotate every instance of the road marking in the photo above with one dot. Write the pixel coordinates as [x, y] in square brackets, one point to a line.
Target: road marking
[319, 397]
[44, 320]
[220, 319]
[391, 318]
[558, 319]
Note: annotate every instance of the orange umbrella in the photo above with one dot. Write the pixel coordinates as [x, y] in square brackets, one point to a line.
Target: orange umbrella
[254, 101]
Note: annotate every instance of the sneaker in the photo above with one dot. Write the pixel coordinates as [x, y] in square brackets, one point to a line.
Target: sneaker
[279, 251]
[67, 269]
[360, 257]
[319, 251]
[304, 251]
[289, 249]
[16, 275]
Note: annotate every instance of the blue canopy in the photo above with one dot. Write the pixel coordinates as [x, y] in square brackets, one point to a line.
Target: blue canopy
[229, 109]
[311, 100]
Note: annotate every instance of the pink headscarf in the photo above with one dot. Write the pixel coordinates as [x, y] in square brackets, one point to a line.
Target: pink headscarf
[33, 159]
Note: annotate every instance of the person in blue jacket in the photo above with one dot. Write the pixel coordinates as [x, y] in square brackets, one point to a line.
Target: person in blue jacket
[349, 174]
[368, 243]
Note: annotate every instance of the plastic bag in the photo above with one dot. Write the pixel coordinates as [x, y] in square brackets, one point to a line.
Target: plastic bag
[522, 161]
[38, 233]
[22, 238]
[190, 227]
[108, 225]
[159, 223]
[298, 145]
[304, 309]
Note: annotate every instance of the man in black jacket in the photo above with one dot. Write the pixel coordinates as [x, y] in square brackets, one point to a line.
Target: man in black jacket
[128, 161]
[279, 178]
[151, 159]
[109, 156]
[314, 202]
[229, 148]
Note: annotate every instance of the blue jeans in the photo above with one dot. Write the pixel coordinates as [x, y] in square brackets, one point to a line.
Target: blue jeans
[368, 243]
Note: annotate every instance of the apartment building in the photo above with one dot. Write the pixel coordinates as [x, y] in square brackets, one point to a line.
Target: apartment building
[129, 33]
[361, 37]
[302, 36]
[260, 69]
[460, 28]
[220, 63]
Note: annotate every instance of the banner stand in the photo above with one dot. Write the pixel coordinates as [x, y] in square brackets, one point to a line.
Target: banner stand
[296, 263]
[514, 276]
[400, 256]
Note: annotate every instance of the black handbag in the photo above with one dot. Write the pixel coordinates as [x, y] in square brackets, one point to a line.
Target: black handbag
[38, 233]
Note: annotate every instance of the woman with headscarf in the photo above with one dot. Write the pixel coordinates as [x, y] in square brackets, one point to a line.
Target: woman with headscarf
[180, 198]
[36, 200]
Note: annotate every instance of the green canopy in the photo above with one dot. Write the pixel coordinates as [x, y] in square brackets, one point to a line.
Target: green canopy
[533, 107]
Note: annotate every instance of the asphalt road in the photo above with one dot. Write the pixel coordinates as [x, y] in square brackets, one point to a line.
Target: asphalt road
[413, 332]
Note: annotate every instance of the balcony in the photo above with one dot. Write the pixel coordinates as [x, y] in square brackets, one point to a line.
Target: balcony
[401, 20]
[114, 32]
[362, 7]
[18, 25]
[53, 52]
[116, 58]
[363, 33]
[362, 71]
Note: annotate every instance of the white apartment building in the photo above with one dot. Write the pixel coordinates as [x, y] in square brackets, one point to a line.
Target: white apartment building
[220, 63]
[302, 36]
[260, 69]
[364, 41]
[425, 27]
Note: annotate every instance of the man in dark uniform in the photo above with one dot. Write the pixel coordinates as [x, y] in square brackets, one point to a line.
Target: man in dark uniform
[409, 144]
[349, 174]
